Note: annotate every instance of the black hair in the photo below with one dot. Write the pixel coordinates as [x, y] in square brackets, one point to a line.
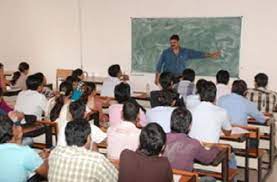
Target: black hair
[1, 65]
[130, 111]
[166, 80]
[77, 132]
[239, 87]
[200, 85]
[23, 66]
[208, 93]
[152, 139]
[122, 92]
[33, 82]
[114, 70]
[189, 74]
[222, 76]
[71, 79]
[40, 76]
[77, 110]
[180, 120]
[174, 37]
[261, 80]
[165, 98]
[65, 91]
[6, 129]
[76, 73]
[88, 89]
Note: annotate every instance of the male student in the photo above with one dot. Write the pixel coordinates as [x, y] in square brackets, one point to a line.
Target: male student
[76, 162]
[238, 107]
[182, 150]
[31, 101]
[208, 120]
[186, 86]
[124, 135]
[265, 99]
[222, 80]
[115, 77]
[146, 164]
[17, 161]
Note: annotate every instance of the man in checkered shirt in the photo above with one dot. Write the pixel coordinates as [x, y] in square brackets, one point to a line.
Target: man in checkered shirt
[75, 162]
[265, 99]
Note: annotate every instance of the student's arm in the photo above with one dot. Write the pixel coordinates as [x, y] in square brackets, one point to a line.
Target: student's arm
[226, 125]
[43, 169]
[206, 156]
[255, 113]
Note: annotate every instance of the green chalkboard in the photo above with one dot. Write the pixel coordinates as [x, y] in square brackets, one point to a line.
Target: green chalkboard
[150, 37]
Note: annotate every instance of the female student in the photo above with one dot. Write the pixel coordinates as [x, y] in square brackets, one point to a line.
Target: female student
[19, 78]
[78, 75]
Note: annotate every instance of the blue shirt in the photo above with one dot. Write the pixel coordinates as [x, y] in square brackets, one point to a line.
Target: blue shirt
[17, 162]
[170, 62]
[239, 109]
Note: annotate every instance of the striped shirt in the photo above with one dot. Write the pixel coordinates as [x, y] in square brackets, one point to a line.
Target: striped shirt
[266, 100]
[77, 164]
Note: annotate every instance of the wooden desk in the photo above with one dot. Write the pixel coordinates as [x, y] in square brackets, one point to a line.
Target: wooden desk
[95, 80]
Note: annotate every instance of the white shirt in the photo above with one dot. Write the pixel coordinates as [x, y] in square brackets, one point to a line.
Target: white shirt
[31, 102]
[160, 115]
[221, 90]
[192, 101]
[108, 86]
[207, 122]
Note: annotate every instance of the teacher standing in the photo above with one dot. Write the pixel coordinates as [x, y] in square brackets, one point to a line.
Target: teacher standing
[174, 58]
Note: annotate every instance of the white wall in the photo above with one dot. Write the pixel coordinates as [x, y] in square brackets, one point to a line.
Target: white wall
[44, 31]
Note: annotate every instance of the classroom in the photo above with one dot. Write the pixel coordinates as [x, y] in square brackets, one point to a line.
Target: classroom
[182, 90]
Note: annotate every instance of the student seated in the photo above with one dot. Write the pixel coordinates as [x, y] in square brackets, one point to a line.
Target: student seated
[146, 164]
[3, 81]
[222, 80]
[186, 86]
[76, 162]
[77, 110]
[194, 100]
[182, 150]
[4, 107]
[19, 78]
[265, 99]
[122, 94]
[46, 90]
[31, 101]
[78, 76]
[124, 135]
[17, 161]
[162, 113]
[58, 107]
[166, 84]
[93, 103]
[208, 120]
[115, 77]
[238, 107]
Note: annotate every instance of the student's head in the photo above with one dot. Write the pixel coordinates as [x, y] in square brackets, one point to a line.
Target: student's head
[89, 92]
[208, 94]
[166, 80]
[174, 41]
[77, 133]
[78, 74]
[23, 67]
[239, 87]
[73, 81]
[165, 99]
[114, 70]
[65, 92]
[189, 74]
[122, 92]
[34, 82]
[130, 112]
[222, 76]
[77, 110]
[8, 132]
[261, 80]
[152, 139]
[200, 85]
[180, 120]
[41, 77]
